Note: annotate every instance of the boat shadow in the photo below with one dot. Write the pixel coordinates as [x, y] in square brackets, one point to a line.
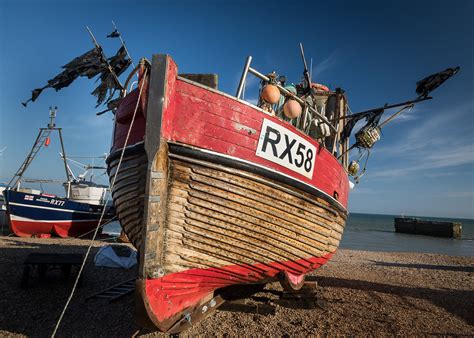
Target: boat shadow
[458, 268]
[457, 302]
[264, 301]
[259, 299]
[34, 311]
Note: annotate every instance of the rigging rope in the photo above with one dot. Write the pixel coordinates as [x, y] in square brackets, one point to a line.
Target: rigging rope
[103, 212]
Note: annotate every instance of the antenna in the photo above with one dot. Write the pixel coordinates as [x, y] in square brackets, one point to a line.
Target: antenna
[123, 43]
[96, 44]
[307, 77]
[52, 116]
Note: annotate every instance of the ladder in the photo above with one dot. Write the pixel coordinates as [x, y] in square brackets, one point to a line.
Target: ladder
[115, 292]
[39, 143]
[40, 140]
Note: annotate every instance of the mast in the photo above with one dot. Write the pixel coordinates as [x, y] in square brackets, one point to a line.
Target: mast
[109, 67]
[68, 175]
[43, 135]
[52, 126]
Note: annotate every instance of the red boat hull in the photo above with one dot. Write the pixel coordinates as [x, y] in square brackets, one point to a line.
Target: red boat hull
[182, 290]
[64, 229]
[218, 209]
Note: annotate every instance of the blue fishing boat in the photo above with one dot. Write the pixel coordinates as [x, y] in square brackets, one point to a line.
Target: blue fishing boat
[33, 213]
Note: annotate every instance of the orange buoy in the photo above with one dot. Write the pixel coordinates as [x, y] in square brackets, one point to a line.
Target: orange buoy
[47, 141]
[292, 109]
[271, 94]
[318, 86]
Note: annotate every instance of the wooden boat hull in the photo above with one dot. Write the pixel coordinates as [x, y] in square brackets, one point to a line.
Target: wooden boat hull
[205, 210]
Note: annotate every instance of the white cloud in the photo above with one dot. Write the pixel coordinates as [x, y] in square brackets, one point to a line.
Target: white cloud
[251, 89]
[251, 83]
[408, 115]
[442, 158]
[95, 127]
[451, 156]
[460, 194]
[439, 174]
[324, 65]
[436, 142]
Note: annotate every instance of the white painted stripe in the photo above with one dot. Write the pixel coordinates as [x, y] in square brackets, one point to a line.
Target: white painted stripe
[19, 218]
[55, 209]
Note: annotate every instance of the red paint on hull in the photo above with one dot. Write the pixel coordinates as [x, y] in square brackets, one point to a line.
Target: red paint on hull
[209, 120]
[170, 295]
[212, 121]
[63, 229]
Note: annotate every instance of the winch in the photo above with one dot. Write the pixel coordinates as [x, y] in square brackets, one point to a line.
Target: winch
[367, 136]
[353, 168]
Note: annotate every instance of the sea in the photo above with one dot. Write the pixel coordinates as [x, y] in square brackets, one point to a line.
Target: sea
[372, 232]
[377, 233]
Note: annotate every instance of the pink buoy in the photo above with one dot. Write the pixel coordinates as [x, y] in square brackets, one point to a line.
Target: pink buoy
[292, 109]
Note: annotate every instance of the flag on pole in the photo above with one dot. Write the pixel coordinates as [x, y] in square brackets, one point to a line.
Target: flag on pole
[430, 83]
[119, 63]
[372, 117]
[89, 64]
[114, 34]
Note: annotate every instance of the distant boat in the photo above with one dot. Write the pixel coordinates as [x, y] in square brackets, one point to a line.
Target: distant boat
[417, 226]
[33, 213]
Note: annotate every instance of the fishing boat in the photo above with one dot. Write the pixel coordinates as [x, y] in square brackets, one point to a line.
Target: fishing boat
[33, 213]
[214, 191]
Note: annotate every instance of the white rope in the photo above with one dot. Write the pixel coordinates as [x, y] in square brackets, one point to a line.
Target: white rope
[102, 215]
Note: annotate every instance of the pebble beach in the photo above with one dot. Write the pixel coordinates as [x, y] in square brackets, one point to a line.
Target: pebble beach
[357, 292]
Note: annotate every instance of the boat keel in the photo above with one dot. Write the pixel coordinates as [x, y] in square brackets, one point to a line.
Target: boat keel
[291, 282]
[178, 322]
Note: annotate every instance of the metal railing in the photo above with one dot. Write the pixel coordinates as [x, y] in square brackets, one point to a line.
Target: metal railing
[283, 90]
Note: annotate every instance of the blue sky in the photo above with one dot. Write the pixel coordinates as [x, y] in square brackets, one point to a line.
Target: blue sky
[376, 51]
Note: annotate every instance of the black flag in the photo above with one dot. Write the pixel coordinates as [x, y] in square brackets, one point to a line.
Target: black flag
[119, 63]
[430, 83]
[372, 117]
[88, 64]
[114, 34]
[34, 95]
